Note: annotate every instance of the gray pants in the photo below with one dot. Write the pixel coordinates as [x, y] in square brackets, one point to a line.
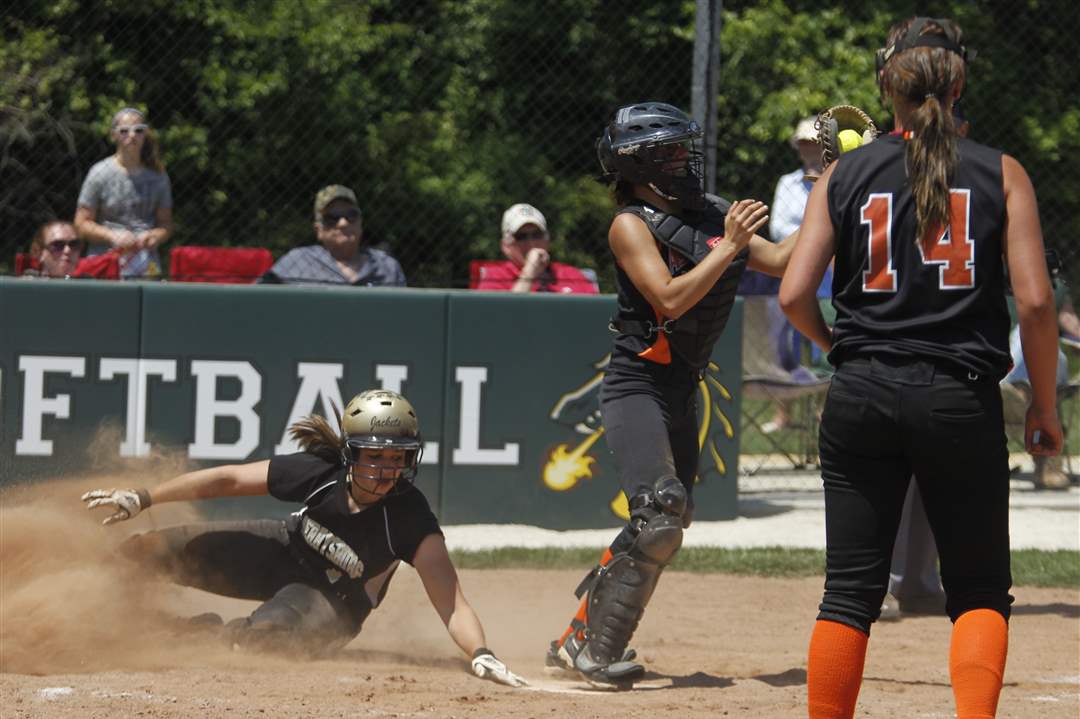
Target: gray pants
[914, 571]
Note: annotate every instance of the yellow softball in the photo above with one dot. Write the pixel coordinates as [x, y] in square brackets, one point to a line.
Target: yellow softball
[849, 140]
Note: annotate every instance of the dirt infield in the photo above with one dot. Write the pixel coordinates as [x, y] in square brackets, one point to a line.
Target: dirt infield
[83, 637]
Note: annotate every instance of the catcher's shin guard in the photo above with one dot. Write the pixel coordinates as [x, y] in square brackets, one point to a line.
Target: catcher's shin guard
[620, 593]
[617, 591]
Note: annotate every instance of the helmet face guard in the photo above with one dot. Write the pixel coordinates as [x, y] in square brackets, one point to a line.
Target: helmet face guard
[383, 422]
[403, 472]
[655, 145]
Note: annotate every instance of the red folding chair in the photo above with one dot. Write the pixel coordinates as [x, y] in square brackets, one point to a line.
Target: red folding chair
[24, 262]
[105, 266]
[236, 265]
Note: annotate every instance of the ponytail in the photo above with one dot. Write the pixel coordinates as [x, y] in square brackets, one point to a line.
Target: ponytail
[925, 74]
[932, 157]
[315, 435]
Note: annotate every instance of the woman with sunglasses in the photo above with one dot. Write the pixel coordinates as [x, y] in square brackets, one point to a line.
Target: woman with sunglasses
[320, 572]
[125, 204]
[56, 249]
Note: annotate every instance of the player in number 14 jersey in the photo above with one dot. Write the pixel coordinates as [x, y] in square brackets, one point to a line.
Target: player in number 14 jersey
[920, 224]
[943, 298]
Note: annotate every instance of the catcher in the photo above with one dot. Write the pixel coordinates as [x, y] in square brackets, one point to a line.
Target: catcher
[679, 254]
[320, 572]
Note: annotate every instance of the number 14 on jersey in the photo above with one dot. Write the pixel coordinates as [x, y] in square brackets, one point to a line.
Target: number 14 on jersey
[952, 248]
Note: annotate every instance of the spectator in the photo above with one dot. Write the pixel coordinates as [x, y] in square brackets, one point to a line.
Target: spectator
[125, 203]
[340, 258]
[789, 203]
[56, 249]
[793, 189]
[528, 266]
[1016, 387]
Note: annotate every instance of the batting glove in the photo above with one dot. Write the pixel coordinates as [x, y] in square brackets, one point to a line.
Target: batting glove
[486, 666]
[126, 502]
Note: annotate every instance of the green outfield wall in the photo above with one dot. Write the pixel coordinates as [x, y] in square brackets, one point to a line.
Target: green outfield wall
[96, 375]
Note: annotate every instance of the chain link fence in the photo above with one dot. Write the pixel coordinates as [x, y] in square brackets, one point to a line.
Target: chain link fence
[442, 113]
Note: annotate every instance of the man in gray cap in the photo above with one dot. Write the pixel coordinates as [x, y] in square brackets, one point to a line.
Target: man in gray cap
[339, 258]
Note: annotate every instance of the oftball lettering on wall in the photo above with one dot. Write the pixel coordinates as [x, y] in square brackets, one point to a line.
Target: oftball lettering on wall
[319, 389]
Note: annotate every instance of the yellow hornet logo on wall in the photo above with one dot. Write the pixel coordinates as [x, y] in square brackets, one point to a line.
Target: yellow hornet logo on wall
[580, 409]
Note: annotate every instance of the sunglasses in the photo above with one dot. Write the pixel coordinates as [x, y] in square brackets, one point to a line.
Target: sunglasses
[330, 219]
[58, 246]
[137, 129]
[529, 235]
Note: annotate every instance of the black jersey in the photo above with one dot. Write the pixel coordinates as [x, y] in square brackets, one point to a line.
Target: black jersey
[354, 553]
[942, 301]
[683, 240]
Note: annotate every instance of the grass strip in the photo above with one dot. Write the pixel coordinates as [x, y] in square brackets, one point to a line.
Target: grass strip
[1030, 567]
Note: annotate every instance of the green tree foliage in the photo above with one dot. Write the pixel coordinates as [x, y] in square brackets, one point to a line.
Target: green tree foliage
[440, 113]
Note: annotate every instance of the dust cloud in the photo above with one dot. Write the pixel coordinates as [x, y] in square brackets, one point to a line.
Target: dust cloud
[68, 601]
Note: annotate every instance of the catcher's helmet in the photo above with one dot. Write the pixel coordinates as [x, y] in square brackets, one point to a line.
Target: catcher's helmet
[657, 145]
[380, 419]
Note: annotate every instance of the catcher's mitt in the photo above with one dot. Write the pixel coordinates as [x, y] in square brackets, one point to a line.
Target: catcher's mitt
[836, 119]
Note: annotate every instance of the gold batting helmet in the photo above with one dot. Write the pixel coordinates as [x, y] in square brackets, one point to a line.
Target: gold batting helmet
[381, 419]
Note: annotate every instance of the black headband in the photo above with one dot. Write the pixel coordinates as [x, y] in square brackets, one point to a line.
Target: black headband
[913, 38]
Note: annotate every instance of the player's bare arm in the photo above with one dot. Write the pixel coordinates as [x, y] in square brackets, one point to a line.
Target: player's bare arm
[231, 480]
[440, 579]
[635, 250]
[443, 588]
[1024, 254]
[810, 256]
[771, 258]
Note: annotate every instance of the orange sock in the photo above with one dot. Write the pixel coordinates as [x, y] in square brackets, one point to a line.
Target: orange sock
[980, 642]
[581, 616]
[834, 670]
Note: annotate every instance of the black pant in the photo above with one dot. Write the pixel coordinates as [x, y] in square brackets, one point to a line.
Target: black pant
[884, 421]
[250, 560]
[651, 427]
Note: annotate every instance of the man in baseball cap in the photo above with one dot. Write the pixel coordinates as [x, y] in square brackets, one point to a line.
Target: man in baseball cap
[334, 192]
[528, 267]
[340, 257]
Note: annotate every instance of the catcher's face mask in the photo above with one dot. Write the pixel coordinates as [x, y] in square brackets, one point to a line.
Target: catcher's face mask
[674, 170]
[656, 145]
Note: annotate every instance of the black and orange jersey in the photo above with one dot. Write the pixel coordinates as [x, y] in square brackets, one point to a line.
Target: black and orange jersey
[683, 241]
[942, 299]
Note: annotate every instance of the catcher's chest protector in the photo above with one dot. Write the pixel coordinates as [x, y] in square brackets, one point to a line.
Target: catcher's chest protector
[686, 242]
